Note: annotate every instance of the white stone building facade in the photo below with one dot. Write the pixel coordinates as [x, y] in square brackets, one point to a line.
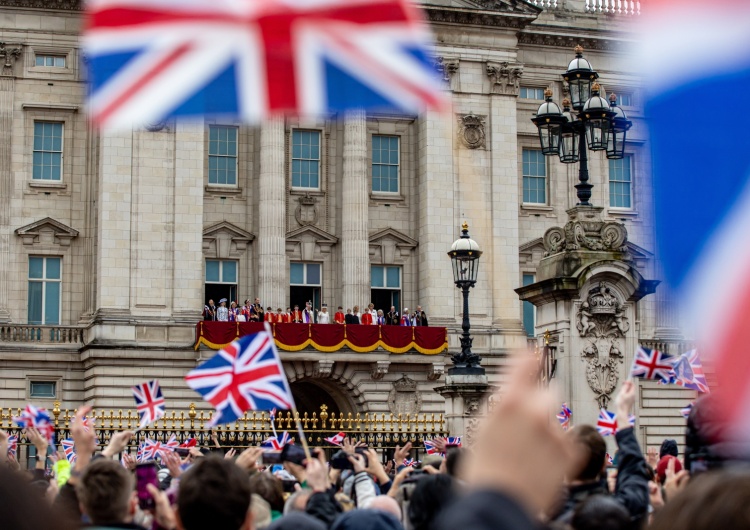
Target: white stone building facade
[111, 242]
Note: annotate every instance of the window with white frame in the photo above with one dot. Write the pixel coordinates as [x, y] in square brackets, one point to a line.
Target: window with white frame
[305, 159]
[621, 182]
[305, 282]
[57, 61]
[45, 289]
[385, 287]
[529, 311]
[385, 163]
[534, 177]
[47, 150]
[625, 100]
[221, 281]
[531, 93]
[222, 155]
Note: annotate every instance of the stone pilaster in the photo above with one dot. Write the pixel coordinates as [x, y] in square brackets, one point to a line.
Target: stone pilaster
[7, 88]
[466, 403]
[272, 284]
[188, 219]
[438, 226]
[503, 255]
[355, 251]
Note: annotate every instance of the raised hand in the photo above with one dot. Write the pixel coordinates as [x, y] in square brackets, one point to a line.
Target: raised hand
[248, 459]
[230, 454]
[358, 461]
[400, 477]
[117, 443]
[401, 453]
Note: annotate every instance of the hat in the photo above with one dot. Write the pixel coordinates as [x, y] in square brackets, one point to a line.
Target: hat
[406, 309]
[223, 301]
[661, 467]
[325, 305]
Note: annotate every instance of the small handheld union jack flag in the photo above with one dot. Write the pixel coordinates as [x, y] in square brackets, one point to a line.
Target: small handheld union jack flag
[153, 450]
[12, 445]
[610, 459]
[688, 372]
[69, 449]
[149, 402]
[139, 452]
[454, 441]
[246, 375]
[336, 439]
[685, 411]
[277, 443]
[37, 418]
[564, 417]
[606, 424]
[431, 448]
[652, 364]
[410, 462]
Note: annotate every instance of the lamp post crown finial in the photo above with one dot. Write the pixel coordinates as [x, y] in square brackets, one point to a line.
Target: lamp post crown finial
[596, 87]
[613, 98]
[566, 103]
[464, 226]
[578, 49]
[548, 93]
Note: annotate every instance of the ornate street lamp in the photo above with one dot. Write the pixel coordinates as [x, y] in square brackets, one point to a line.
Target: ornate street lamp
[464, 254]
[596, 124]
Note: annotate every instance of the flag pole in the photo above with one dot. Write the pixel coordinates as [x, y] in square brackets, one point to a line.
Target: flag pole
[301, 433]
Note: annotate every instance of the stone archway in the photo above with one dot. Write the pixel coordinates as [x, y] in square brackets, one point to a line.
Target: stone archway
[310, 393]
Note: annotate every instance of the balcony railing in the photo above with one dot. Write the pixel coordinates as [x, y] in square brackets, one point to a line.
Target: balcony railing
[41, 334]
[608, 7]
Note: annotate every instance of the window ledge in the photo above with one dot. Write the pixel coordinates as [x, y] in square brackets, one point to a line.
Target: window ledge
[50, 106]
[617, 212]
[536, 207]
[223, 190]
[313, 192]
[382, 197]
[49, 185]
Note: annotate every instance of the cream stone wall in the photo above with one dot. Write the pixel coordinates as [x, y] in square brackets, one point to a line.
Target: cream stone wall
[135, 217]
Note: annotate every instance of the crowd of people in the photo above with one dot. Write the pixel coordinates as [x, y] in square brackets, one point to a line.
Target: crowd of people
[522, 471]
[254, 312]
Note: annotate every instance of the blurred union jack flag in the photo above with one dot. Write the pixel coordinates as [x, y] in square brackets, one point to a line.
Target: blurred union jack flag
[277, 443]
[652, 364]
[12, 445]
[336, 439]
[152, 59]
[153, 449]
[246, 375]
[607, 422]
[149, 402]
[37, 418]
[688, 372]
[69, 449]
[564, 417]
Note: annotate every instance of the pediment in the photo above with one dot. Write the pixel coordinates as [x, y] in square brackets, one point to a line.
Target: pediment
[225, 227]
[399, 238]
[47, 231]
[311, 233]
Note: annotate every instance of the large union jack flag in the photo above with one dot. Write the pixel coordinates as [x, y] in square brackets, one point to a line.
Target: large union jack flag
[152, 59]
[149, 402]
[246, 375]
[652, 364]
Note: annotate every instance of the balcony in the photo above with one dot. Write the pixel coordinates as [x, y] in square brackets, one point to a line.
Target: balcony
[42, 335]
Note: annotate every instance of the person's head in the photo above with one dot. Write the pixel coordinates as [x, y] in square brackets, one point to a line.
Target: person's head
[668, 447]
[419, 309]
[356, 309]
[233, 304]
[222, 302]
[288, 309]
[385, 503]
[341, 308]
[106, 493]
[270, 488]
[371, 306]
[367, 520]
[211, 302]
[348, 311]
[716, 499]
[269, 309]
[592, 451]
[324, 308]
[257, 300]
[393, 309]
[296, 307]
[279, 310]
[214, 493]
[661, 467]
[380, 312]
[601, 512]
[297, 501]
[430, 495]
[247, 301]
[297, 521]
[24, 508]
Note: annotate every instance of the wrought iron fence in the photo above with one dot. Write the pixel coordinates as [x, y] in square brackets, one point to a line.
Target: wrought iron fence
[383, 431]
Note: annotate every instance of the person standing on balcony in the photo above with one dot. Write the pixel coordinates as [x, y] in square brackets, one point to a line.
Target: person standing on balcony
[279, 316]
[269, 316]
[308, 316]
[287, 316]
[373, 313]
[256, 312]
[297, 315]
[339, 317]
[381, 318]
[233, 311]
[324, 317]
[222, 313]
[393, 318]
[351, 318]
[405, 319]
[366, 318]
[357, 314]
[209, 311]
[421, 317]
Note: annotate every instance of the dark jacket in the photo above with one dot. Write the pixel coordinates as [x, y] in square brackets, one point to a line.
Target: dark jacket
[421, 318]
[484, 510]
[324, 507]
[631, 488]
[350, 318]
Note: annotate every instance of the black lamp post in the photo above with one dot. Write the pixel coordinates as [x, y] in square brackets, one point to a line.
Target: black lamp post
[464, 254]
[594, 125]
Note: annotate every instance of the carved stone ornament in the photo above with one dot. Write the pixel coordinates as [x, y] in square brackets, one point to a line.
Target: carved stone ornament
[9, 55]
[505, 77]
[447, 66]
[586, 232]
[404, 398]
[307, 212]
[323, 368]
[601, 320]
[471, 130]
[472, 405]
[379, 369]
[472, 427]
[436, 370]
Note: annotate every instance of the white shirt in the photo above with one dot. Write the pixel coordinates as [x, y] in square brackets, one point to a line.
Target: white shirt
[374, 314]
[324, 317]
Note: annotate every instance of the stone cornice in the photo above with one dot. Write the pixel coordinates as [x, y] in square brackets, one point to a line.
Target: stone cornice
[570, 41]
[475, 17]
[60, 5]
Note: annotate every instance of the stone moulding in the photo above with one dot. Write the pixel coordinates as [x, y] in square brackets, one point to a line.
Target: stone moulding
[586, 231]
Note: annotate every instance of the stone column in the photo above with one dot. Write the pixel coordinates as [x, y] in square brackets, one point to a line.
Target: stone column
[466, 403]
[272, 283]
[438, 226]
[7, 88]
[355, 251]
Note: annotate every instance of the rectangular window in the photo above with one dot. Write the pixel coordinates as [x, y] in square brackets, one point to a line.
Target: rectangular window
[45, 279]
[306, 159]
[532, 93]
[48, 150]
[625, 100]
[534, 177]
[385, 163]
[385, 284]
[620, 183]
[222, 155]
[42, 389]
[58, 61]
[221, 280]
[305, 280]
[529, 311]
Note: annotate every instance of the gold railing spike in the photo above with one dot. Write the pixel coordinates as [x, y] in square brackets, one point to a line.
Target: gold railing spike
[56, 413]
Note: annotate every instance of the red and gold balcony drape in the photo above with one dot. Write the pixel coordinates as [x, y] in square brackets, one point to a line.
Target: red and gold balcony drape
[329, 337]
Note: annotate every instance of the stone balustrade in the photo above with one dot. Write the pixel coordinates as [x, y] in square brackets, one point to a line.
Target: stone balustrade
[36, 334]
[609, 7]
